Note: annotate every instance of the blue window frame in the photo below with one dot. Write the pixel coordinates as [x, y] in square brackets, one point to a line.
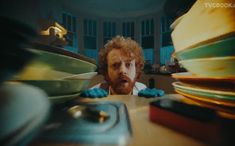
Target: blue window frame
[69, 22]
[128, 29]
[90, 33]
[109, 30]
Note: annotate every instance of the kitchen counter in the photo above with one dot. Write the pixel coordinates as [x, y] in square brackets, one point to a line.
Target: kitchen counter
[145, 132]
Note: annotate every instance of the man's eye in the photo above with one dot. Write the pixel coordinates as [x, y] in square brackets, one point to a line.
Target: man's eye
[128, 64]
[116, 65]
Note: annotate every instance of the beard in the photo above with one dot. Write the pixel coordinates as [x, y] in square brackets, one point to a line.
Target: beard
[123, 85]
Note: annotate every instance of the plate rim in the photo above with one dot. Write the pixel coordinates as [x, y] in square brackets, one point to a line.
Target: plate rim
[210, 96]
[190, 76]
[179, 85]
[206, 100]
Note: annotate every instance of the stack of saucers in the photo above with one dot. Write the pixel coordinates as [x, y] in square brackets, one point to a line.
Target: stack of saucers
[205, 46]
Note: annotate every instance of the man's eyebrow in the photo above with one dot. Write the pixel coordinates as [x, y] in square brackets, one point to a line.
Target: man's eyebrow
[115, 61]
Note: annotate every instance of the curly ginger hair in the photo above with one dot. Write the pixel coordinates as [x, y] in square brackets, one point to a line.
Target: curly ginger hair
[130, 47]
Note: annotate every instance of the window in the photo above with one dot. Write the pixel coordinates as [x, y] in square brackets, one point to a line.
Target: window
[165, 23]
[166, 54]
[109, 29]
[166, 39]
[69, 22]
[147, 34]
[90, 34]
[128, 29]
[166, 31]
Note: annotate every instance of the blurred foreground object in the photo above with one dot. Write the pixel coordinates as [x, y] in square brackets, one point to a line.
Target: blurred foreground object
[61, 76]
[15, 40]
[23, 108]
[23, 111]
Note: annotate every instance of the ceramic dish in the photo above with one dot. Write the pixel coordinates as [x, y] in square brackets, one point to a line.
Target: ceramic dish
[59, 87]
[224, 47]
[214, 94]
[211, 67]
[88, 75]
[207, 100]
[199, 26]
[189, 76]
[62, 63]
[223, 111]
[218, 98]
[227, 84]
[58, 50]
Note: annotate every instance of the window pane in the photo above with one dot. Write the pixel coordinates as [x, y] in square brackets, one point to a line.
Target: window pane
[113, 29]
[90, 42]
[89, 27]
[94, 28]
[142, 28]
[69, 22]
[147, 27]
[132, 29]
[105, 29]
[123, 29]
[128, 30]
[74, 24]
[109, 30]
[64, 19]
[147, 42]
[152, 27]
[85, 26]
[166, 39]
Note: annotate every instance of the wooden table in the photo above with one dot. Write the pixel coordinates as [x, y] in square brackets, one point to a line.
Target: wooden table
[145, 132]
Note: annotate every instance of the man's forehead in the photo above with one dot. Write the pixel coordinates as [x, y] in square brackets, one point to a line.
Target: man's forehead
[118, 58]
[120, 54]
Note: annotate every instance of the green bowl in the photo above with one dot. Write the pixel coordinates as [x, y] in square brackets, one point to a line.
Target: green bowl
[211, 67]
[225, 47]
[62, 63]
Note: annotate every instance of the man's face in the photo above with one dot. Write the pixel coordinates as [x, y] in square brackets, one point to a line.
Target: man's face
[121, 72]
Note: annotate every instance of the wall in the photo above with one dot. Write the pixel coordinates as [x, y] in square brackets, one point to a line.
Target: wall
[31, 11]
[26, 11]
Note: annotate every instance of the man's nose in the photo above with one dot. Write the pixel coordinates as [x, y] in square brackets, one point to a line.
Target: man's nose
[123, 69]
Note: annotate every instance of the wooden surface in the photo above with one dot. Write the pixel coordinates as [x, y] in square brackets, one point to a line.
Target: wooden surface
[145, 133]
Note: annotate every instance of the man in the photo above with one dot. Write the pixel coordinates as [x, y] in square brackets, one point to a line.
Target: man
[120, 62]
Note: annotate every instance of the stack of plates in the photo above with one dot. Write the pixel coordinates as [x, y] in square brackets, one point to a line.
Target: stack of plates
[205, 46]
[213, 59]
[213, 92]
[199, 26]
[61, 77]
